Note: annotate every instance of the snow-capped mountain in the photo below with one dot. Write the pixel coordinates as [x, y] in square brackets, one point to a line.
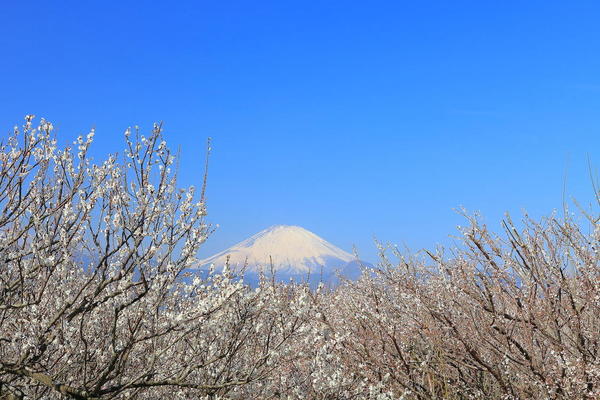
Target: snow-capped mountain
[291, 251]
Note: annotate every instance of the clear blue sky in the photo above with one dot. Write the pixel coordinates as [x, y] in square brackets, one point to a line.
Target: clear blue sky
[351, 119]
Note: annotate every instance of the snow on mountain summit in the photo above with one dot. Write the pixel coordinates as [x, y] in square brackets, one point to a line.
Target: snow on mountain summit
[292, 249]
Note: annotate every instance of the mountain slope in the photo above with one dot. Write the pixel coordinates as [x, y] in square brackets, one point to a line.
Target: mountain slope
[292, 250]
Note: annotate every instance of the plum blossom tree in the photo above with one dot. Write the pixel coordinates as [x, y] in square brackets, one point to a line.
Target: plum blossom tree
[503, 317]
[95, 300]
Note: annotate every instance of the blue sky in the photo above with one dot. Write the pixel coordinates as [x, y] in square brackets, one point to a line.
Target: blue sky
[351, 119]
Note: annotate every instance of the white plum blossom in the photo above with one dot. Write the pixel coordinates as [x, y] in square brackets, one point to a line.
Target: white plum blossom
[98, 299]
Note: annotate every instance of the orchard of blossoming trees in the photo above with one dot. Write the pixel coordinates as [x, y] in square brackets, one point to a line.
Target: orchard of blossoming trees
[96, 301]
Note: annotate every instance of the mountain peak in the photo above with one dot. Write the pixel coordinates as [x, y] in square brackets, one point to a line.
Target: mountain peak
[290, 248]
[284, 227]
